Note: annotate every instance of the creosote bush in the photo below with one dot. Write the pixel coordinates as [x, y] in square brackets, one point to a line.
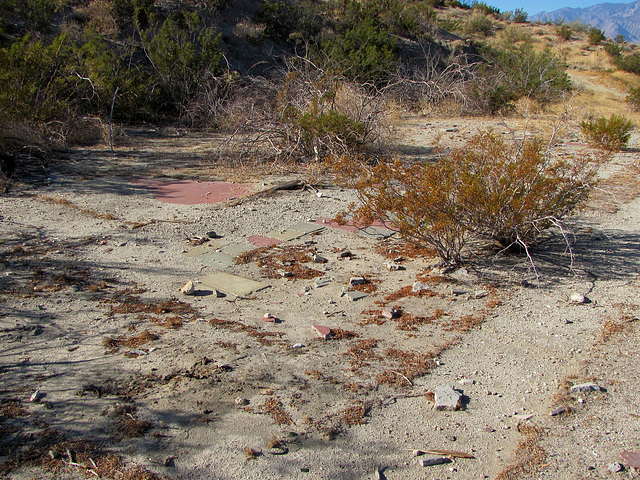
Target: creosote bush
[491, 189]
[610, 134]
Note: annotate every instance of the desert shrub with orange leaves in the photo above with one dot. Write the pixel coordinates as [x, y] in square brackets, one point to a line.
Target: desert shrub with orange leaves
[508, 192]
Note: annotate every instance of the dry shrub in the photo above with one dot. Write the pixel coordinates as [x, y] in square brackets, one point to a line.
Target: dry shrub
[278, 259]
[409, 322]
[506, 192]
[252, 331]
[409, 365]
[354, 415]
[129, 426]
[529, 454]
[340, 334]
[273, 407]
[464, 323]
[610, 134]
[13, 409]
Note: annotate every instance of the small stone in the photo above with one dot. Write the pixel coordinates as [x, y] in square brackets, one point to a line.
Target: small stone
[284, 273]
[240, 401]
[357, 281]
[211, 234]
[586, 387]
[615, 467]
[480, 293]
[430, 461]
[419, 286]
[577, 298]
[353, 296]
[267, 317]
[322, 282]
[418, 453]
[319, 259]
[466, 381]
[137, 352]
[557, 411]
[217, 293]
[393, 267]
[345, 254]
[322, 331]
[189, 288]
[36, 397]
[390, 313]
[297, 345]
[447, 398]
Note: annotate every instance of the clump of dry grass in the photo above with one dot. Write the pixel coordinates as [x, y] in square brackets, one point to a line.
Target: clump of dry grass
[278, 259]
[529, 454]
[273, 407]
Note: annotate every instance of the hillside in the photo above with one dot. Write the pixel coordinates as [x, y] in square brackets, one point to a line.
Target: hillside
[612, 18]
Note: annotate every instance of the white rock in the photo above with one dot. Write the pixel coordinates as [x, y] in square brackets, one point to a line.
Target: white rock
[189, 288]
[577, 298]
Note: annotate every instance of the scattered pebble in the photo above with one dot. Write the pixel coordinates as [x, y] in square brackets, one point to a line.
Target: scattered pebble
[189, 288]
[615, 467]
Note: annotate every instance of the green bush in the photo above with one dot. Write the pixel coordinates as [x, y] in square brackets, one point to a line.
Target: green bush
[490, 189]
[520, 16]
[595, 36]
[564, 32]
[628, 63]
[183, 53]
[634, 98]
[484, 9]
[515, 72]
[479, 24]
[362, 48]
[610, 134]
[613, 49]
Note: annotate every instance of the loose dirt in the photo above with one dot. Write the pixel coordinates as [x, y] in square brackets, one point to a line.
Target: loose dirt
[135, 377]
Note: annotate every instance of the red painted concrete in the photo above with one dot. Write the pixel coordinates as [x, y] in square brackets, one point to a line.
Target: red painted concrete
[260, 241]
[187, 192]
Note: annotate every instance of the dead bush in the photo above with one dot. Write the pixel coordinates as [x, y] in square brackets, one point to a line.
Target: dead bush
[508, 192]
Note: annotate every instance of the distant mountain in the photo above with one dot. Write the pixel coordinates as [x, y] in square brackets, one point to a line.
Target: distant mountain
[612, 18]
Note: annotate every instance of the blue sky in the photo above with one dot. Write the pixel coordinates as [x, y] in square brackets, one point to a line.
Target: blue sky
[533, 7]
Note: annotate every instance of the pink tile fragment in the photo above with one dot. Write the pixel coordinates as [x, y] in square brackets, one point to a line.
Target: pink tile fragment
[269, 318]
[188, 192]
[632, 458]
[322, 331]
[260, 241]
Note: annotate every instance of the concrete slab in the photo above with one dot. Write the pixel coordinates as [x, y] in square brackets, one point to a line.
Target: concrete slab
[285, 235]
[376, 232]
[233, 284]
[306, 227]
[236, 249]
[187, 192]
[206, 247]
[217, 259]
[260, 241]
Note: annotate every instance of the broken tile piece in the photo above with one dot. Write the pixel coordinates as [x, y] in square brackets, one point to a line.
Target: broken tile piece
[267, 317]
[285, 235]
[448, 398]
[233, 284]
[306, 227]
[430, 461]
[390, 313]
[322, 282]
[260, 241]
[376, 233]
[357, 281]
[632, 458]
[322, 331]
[586, 387]
[355, 295]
